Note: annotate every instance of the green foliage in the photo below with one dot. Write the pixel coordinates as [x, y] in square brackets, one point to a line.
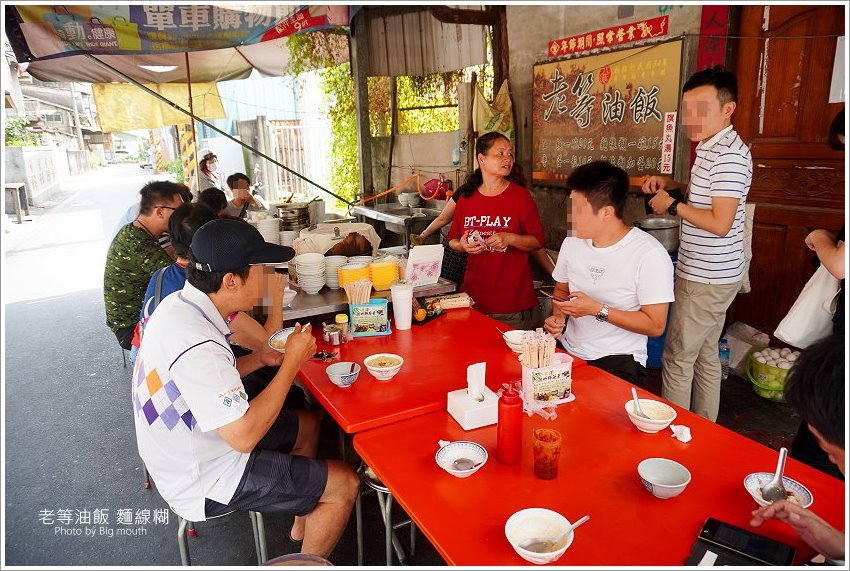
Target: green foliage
[95, 161]
[17, 134]
[176, 167]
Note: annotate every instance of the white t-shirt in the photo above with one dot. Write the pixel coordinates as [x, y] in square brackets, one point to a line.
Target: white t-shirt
[633, 272]
[185, 387]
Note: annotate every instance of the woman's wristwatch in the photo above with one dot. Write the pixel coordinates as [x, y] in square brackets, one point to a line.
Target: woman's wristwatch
[673, 208]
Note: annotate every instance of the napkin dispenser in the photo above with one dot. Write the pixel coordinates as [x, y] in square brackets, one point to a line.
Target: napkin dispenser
[476, 405]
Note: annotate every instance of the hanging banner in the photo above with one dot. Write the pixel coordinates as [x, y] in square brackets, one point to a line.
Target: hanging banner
[609, 107]
[615, 36]
[51, 30]
[124, 107]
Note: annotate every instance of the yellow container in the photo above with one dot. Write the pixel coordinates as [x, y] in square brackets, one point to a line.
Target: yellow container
[383, 274]
[768, 381]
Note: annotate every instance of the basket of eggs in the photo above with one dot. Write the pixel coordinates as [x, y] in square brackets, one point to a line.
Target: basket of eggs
[768, 370]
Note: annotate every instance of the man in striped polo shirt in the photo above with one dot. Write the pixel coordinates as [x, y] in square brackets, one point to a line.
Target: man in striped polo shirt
[711, 249]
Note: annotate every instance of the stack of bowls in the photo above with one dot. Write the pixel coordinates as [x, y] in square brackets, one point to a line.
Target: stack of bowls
[383, 274]
[350, 272]
[332, 264]
[270, 229]
[287, 237]
[360, 260]
[311, 272]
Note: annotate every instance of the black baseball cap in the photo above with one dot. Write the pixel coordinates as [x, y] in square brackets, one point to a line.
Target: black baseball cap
[224, 245]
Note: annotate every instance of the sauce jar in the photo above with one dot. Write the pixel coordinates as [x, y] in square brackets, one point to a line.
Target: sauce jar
[342, 326]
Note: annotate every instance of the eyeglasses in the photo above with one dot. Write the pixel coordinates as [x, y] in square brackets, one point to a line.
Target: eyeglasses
[163, 206]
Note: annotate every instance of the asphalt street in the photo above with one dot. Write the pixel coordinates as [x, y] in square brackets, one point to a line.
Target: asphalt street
[73, 481]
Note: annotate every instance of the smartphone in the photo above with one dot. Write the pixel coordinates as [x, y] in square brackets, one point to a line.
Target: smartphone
[549, 291]
[744, 542]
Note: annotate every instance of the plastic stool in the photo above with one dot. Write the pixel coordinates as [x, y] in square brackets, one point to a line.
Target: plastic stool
[385, 501]
[186, 529]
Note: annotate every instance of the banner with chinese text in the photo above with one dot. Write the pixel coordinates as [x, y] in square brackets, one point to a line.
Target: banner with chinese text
[608, 107]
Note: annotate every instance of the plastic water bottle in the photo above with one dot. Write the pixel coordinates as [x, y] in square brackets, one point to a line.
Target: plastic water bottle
[723, 350]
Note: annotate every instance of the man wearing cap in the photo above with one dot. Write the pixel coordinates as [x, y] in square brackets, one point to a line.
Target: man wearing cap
[207, 449]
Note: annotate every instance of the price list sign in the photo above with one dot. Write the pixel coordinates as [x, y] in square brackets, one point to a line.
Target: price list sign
[618, 107]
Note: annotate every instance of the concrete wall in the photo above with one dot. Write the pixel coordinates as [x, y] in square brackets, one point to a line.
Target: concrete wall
[530, 28]
[39, 168]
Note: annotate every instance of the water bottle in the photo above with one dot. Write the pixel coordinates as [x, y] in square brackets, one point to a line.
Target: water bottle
[509, 427]
[723, 350]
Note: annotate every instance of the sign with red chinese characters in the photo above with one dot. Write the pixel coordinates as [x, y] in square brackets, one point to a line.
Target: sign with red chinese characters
[618, 106]
[610, 37]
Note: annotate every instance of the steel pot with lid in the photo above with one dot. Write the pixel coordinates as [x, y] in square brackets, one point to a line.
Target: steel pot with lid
[665, 229]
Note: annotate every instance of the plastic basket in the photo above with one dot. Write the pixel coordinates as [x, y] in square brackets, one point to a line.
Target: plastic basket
[768, 381]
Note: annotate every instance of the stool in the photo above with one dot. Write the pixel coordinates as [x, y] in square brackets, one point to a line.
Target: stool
[385, 502]
[17, 192]
[186, 529]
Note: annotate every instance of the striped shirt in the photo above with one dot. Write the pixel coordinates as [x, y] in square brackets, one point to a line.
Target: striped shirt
[723, 168]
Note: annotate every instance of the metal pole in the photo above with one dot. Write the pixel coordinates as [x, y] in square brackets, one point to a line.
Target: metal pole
[77, 117]
[173, 105]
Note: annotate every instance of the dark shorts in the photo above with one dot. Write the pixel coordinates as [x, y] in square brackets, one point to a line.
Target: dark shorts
[275, 481]
[125, 337]
[623, 366]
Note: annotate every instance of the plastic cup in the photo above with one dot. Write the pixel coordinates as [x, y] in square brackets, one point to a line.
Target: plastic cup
[402, 296]
[547, 453]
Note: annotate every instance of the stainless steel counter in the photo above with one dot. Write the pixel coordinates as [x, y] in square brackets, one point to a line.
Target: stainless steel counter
[335, 301]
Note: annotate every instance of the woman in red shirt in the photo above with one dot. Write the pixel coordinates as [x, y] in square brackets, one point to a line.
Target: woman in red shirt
[497, 225]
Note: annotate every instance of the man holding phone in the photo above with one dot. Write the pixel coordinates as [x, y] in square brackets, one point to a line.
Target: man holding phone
[613, 282]
[710, 265]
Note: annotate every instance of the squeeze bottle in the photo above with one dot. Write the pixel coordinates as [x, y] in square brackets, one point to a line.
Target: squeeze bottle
[509, 427]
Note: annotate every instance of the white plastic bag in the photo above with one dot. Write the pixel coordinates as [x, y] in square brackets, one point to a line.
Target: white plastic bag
[741, 339]
[810, 318]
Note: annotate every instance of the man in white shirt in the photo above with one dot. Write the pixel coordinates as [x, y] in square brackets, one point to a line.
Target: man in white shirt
[208, 450]
[617, 281]
[710, 265]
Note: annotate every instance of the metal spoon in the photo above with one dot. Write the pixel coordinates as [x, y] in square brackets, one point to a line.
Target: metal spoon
[637, 409]
[540, 545]
[464, 464]
[774, 490]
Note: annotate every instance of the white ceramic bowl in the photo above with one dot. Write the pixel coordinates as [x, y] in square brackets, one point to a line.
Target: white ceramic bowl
[288, 296]
[537, 522]
[342, 374]
[452, 451]
[513, 339]
[754, 482]
[663, 478]
[661, 415]
[383, 373]
[278, 340]
[309, 259]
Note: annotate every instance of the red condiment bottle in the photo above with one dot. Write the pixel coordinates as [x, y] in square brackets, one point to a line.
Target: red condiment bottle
[509, 427]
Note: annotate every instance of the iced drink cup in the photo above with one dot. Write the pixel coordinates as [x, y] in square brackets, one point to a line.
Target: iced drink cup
[547, 453]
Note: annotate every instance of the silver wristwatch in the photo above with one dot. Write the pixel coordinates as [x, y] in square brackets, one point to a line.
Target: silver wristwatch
[603, 313]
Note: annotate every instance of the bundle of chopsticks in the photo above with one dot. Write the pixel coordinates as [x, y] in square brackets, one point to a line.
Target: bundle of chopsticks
[358, 292]
[538, 349]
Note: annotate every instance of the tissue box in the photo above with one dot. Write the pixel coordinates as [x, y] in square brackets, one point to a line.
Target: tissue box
[470, 413]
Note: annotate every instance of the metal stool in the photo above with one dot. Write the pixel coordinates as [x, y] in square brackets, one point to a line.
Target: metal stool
[385, 501]
[186, 529]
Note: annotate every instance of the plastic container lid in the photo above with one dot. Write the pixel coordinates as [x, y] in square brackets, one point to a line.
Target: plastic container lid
[341, 318]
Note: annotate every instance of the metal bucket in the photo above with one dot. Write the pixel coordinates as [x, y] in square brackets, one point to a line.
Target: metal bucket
[665, 229]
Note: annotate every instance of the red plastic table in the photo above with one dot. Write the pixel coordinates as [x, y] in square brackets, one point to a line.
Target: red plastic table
[436, 356]
[465, 518]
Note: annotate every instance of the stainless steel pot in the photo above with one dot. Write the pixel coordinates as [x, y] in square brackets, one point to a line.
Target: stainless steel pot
[665, 229]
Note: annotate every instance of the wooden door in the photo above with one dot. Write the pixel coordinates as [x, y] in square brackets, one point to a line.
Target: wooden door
[784, 69]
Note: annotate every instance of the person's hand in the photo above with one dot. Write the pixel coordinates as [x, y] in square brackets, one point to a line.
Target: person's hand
[579, 305]
[276, 284]
[817, 533]
[300, 345]
[416, 240]
[270, 357]
[660, 202]
[554, 325]
[818, 236]
[653, 184]
[499, 240]
[470, 248]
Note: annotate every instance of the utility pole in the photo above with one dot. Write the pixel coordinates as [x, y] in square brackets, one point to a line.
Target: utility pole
[77, 117]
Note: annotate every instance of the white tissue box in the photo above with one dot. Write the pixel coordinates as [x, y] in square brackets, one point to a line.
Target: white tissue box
[470, 413]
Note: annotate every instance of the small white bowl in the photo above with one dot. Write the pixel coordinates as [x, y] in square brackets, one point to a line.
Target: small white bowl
[663, 478]
[278, 340]
[661, 415]
[513, 339]
[754, 482]
[288, 296]
[537, 522]
[451, 451]
[342, 374]
[383, 373]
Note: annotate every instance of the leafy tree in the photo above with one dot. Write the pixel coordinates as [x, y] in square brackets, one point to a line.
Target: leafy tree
[17, 134]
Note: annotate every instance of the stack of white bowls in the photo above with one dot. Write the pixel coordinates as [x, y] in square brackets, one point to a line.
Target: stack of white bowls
[287, 237]
[332, 263]
[270, 229]
[311, 272]
[360, 260]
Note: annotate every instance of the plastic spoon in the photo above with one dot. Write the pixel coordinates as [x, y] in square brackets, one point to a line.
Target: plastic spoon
[638, 410]
[540, 545]
[464, 464]
[774, 490]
